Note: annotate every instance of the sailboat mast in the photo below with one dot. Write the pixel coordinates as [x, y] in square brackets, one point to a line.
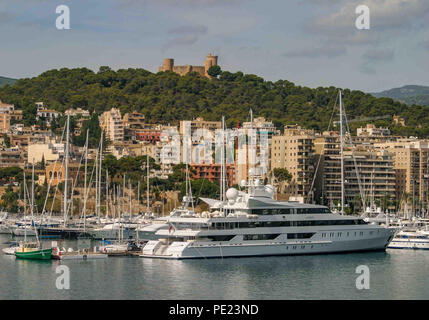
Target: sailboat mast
[129, 197]
[32, 206]
[67, 170]
[99, 174]
[250, 155]
[147, 188]
[96, 184]
[138, 197]
[25, 206]
[85, 186]
[107, 193]
[342, 154]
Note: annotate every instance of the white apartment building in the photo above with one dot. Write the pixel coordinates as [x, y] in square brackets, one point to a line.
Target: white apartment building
[112, 124]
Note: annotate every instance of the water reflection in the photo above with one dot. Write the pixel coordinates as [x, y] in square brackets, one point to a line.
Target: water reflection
[394, 275]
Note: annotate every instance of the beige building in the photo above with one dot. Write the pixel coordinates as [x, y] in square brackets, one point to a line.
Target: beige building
[411, 169]
[77, 112]
[112, 124]
[294, 151]
[190, 126]
[12, 157]
[48, 151]
[134, 121]
[372, 130]
[6, 108]
[168, 65]
[262, 126]
[368, 172]
[4, 122]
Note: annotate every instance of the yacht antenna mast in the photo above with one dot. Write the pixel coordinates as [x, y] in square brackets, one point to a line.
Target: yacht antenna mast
[342, 153]
[222, 159]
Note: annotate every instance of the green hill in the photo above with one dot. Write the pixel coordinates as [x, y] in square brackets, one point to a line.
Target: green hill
[167, 98]
[407, 94]
[4, 80]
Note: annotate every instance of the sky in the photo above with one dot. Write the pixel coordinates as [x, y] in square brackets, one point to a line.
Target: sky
[309, 42]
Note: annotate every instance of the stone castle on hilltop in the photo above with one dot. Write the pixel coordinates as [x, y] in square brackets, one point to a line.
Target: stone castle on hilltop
[168, 65]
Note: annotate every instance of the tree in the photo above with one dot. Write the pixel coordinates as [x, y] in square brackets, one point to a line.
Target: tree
[166, 97]
[42, 163]
[201, 188]
[214, 71]
[282, 176]
[6, 140]
[10, 200]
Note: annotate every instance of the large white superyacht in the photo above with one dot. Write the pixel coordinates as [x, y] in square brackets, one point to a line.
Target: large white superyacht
[253, 223]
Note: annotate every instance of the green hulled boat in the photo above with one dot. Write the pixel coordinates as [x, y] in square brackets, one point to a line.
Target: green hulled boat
[31, 251]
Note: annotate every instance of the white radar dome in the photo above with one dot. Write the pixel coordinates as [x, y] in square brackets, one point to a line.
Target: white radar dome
[232, 194]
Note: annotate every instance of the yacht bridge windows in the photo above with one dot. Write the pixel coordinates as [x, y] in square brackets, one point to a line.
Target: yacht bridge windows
[265, 224]
[282, 211]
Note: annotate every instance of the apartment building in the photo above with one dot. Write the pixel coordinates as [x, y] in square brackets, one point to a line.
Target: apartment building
[134, 121]
[12, 157]
[262, 126]
[368, 172]
[4, 122]
[188, 127]
[212, 172]
[112, 124]
[294, 151]
[411, 169]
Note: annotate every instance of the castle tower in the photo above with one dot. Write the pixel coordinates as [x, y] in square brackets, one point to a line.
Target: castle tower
[168, 65]
[210, 62]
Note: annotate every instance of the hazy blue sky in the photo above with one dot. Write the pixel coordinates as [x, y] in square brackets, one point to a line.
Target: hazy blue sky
[310, 42]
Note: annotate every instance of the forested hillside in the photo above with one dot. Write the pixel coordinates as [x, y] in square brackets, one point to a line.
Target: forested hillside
[4, 80]
[407, 94]
[167, 97]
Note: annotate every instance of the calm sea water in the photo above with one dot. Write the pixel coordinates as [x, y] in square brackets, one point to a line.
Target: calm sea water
[394, 274]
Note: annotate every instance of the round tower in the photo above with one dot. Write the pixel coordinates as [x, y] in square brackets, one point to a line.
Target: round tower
[210, 62]
[212, 59]
[168, 64]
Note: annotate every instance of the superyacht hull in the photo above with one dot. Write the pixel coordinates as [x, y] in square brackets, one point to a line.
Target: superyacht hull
[201, 250]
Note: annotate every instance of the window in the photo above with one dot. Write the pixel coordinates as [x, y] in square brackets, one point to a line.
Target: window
[299, 235]
[260, 236]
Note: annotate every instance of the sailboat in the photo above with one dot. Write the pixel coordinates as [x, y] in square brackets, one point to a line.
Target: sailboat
[32, 250]
[25, 229]
[148, 232]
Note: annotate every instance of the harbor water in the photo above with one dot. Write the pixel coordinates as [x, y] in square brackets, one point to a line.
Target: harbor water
[394, 274]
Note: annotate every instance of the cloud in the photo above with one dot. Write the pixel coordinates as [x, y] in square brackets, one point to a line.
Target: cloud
[385, 15]
[379, 55]
[373, 58]
[198, 29]
[325, 51]
[424, 44]
[5, 17]
[185, 35]
[189, 3]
